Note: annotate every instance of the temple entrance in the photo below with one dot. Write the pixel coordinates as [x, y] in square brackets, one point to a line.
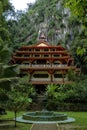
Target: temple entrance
[40, 89]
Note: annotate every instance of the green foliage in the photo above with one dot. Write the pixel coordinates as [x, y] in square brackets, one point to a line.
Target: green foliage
[5, 7]
[79, 10]
[17, 90]
[4, 53]
[77, 92]
[71, 75]
[69, 93]
[27, 87]
[54, 96]
[3, 97]
[81, 51]
[16, 98]
[8, 74]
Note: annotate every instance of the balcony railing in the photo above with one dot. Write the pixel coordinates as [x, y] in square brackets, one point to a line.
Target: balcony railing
[41, 66]
[38, 58]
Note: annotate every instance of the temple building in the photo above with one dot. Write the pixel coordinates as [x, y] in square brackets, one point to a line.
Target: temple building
[44, 63]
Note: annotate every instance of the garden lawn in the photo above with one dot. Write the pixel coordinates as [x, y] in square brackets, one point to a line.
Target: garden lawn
[81, 118]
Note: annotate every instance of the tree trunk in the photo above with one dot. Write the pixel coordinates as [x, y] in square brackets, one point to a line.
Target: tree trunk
[15, 118]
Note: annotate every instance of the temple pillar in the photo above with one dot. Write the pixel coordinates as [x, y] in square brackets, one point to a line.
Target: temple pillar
[63, 76]
[51, 77]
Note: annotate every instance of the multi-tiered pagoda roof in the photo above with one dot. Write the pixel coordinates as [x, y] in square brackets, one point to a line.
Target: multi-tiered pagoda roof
[44, 63]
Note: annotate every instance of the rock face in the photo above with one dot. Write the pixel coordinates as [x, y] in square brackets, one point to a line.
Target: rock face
[45, 127]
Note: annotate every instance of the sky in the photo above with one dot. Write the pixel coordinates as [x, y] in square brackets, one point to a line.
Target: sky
[21, 4]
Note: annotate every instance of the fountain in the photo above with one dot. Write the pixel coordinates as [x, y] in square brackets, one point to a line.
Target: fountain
[44, 116]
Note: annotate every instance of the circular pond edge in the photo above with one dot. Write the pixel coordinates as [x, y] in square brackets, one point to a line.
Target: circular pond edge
[68, 120]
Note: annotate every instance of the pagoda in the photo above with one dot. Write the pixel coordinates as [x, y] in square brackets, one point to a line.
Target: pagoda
[44, 63]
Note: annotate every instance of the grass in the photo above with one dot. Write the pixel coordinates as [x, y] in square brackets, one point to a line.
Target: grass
[81, 118]
[19, 127]
[10, 115]
[9, 123]
[81, 121]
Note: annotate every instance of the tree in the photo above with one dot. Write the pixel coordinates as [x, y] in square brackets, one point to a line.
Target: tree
[76, 92]
[55, 95]
[5, 8]
[18, 98]
[8, 72]
[61, 95]
[14, 95]
[79, 9]
[14, 92]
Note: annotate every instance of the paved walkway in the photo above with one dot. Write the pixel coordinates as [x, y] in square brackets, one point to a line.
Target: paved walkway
[45, 127]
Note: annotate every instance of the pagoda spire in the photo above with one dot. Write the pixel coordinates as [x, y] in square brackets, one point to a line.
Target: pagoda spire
[42, 34]
[42, 37]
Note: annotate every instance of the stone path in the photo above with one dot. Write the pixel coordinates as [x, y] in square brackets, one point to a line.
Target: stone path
[45, 127]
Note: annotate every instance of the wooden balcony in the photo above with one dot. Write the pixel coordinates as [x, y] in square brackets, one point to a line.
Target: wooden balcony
[41, 58]
[42, 52]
